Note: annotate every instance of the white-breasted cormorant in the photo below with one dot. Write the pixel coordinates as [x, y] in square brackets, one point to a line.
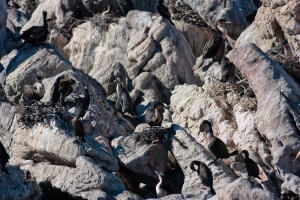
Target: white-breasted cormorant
[4, 157]
[204, 174]
[297, 156]
[78, 128]
[250, 165]
[123, 102]
[34, 92]
[215, 145]
[159, 191]
[227, 68]
[214, 44]
[154, 114]
[35, 34]
[126, 6]
[84, 103]
[164, 11]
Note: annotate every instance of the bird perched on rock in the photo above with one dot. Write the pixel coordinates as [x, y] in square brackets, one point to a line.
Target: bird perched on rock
[78, 129]
[84, 103]
[35, 34]
[126, 6]
[215, 145]
[62, 87]
[250, 165]
[297, 156]
[123, 102]
[204, 174]
[214, 44]
[34, 92]
[159, 191]
[164, 11]
[4, 157]
[154, 114]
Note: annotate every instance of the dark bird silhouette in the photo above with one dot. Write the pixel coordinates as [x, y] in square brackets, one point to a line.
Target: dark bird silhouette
[123, 102]
[164, 11]
[126, 6]
[227, 68]
[204, 174]
[34, 92]
[215, 145]
[289, 195]
[35, 34]
[4, 157]
[154, 114]
[62, 87]
[159, 191]
[214, 44]
[78, 129]
[297, 156]
[84, 103]
[250, 165]
[251, 17]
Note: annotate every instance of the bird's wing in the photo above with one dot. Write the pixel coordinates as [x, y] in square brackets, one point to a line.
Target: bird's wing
[205, 174]
[150, 113]
[38, 33]
[213, 45]
[26, 34]
[221, 149]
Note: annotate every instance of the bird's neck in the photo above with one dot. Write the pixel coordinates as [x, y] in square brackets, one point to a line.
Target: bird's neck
[45, 20]
[224, 31]
[158, 189]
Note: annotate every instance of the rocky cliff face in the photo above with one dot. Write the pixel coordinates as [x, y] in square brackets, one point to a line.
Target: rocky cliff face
[256, 109]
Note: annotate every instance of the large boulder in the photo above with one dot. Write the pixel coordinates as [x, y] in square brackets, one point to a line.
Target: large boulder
[276, 118]
[274, 21]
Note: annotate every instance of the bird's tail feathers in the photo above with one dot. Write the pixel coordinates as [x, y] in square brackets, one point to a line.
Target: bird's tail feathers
[212, 190]
[234, 153]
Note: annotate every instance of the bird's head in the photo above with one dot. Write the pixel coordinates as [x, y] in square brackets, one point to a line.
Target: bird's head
[44, 13]
[245, 153]
[205, 126]
[221, 24]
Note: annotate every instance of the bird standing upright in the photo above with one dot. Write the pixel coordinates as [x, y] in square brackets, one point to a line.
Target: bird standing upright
[154, 114]
[164, 11]
[250, 165]
[215, 145]
[204, 174]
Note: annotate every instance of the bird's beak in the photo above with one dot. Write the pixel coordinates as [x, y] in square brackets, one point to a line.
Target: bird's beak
[294, 159]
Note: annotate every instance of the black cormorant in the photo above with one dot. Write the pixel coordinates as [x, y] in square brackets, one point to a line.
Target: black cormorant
[213, 45]
[84, 103]
[159, 191]
[78, 128]
[126, 6]
[4, 157]
[35, 34]
[164, 11]
[34, 92]
[227, 68]
[297, 156]
[215, 145]
[251, 166]
[123, 102]
[204, 174]
[289, 195]
[154, 114]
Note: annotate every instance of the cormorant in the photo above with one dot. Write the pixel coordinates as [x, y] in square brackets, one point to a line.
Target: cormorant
[35, 34]
[78, 128]
[213, 45]
[215, 145]
[154, 114]
[126, 6]
[4, 157]
[297, 156]
[163, 11]
[34, 92]
[84, 103]
[227, 67]
[123, 102]
[62, 87]
[204, 174]
[251, 166]
[159, 191]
